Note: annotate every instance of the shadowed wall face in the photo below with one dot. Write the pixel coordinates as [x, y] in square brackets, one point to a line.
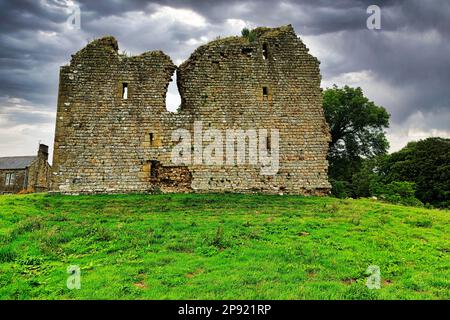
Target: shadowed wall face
[113, 133]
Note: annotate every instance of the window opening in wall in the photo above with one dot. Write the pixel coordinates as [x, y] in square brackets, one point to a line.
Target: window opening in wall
[151, 138]
[9, 179]
[153, 168]
[124, 91]
[268, 143]
[265, 92]
[265, 51]
[247, 51]
[173, 97]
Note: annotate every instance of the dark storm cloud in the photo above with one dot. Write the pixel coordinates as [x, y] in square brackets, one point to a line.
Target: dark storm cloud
[28, 15]
[404, 66]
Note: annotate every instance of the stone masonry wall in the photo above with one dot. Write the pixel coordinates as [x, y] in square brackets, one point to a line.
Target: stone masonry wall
[102, 141]
[105, 143]
[39, 172]
[35, 177]
[222, 84]
[19, 183]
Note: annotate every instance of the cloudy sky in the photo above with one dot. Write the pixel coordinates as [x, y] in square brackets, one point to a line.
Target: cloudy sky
[404, 66]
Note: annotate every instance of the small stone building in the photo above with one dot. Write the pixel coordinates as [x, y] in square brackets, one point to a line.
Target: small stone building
[26, 173]
[114, 134]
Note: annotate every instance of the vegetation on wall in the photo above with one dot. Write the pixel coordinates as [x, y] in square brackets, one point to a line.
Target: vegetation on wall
[250, 35]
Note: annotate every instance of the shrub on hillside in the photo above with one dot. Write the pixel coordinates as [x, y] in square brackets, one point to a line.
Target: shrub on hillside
[400, 192]
[340, 189]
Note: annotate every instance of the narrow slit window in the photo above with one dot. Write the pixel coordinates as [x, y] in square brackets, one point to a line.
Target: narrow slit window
[265, 51]
[268, 143]
[151, 138]
[265, 92]
[124, 91]
[153, 168]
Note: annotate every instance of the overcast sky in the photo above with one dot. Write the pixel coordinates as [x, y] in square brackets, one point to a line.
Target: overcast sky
[404, 66]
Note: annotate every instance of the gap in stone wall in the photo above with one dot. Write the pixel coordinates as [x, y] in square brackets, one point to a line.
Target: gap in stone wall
[173, 98]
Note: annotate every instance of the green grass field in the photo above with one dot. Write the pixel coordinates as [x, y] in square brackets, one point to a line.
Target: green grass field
[220, 246]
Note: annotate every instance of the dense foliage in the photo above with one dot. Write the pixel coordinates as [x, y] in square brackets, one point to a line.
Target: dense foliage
[360, 166]
[356, 124]
[357, 132]
[426, 163]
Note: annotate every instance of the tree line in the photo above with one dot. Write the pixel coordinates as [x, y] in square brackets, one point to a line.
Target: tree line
[360, 166]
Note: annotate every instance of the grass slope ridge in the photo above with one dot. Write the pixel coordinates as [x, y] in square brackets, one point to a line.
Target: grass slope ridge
[220, 246]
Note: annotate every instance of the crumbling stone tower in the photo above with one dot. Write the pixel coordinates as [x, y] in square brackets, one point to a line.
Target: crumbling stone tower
[113, 132]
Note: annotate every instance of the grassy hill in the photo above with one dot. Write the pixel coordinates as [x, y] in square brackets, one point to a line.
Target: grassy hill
[220, 246]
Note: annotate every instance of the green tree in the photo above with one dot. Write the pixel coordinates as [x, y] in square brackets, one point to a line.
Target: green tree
[369, 178]
[357, 132]
[427, 164]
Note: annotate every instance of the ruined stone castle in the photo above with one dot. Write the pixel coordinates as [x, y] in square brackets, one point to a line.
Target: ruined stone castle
[114, 134]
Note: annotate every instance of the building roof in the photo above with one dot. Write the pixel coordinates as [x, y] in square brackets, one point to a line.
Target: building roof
[16, 162]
